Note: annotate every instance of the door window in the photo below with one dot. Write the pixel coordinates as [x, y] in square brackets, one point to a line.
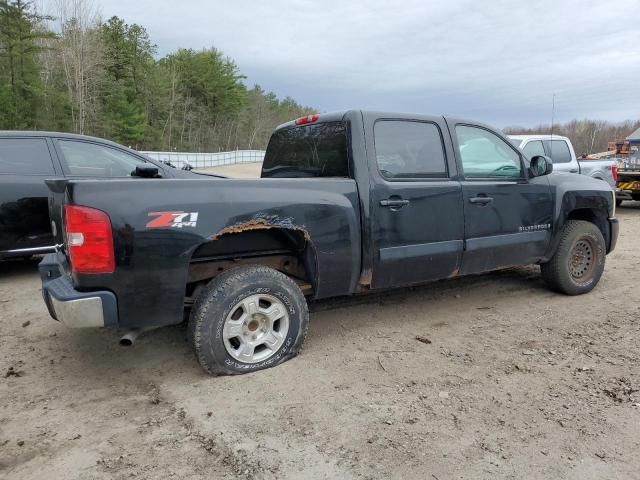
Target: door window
[559, 151]
[93, 160]
[485, 155]
[534, 148]
[409, 149]
[25, 156]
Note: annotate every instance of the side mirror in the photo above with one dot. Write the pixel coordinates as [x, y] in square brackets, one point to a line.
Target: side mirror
[541, 165]
[145, 170]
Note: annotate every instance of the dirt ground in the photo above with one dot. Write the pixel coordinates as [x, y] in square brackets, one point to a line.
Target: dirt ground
[239, 170]
[513, 382]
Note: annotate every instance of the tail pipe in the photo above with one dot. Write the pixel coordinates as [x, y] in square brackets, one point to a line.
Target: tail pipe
[129, 338]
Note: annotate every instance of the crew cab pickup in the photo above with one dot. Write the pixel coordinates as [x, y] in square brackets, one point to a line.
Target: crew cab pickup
[561, 152]
[348, 203]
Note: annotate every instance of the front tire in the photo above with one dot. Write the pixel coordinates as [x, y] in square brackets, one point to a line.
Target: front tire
[247, 319]
[578, 263]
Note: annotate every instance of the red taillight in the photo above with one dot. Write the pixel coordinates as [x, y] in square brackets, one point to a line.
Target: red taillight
[307, 119]
[89, 240]
[614, 172]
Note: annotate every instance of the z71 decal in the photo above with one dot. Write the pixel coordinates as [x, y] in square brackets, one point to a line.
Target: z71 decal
[173, 219]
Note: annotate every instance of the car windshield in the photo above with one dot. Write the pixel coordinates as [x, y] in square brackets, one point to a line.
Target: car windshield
[96, 160]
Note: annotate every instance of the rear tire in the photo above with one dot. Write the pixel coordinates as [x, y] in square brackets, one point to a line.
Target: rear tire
[618, 202]
[578, 263]
[246, 319]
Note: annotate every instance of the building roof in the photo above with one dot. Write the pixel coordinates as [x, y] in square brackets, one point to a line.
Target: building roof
[635, 136]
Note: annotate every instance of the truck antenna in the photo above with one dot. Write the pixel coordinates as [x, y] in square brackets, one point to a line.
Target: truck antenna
[553, 113]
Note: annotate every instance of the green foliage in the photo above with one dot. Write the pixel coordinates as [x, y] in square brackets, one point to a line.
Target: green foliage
[104, 80]
[210, 80]
[128, 63]
[21, 88]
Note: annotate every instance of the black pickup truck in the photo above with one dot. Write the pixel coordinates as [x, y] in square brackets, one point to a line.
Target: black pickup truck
[348, 203]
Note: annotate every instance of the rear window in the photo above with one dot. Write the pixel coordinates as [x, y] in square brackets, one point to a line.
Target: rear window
[317, 150]
[25, 156]
[559, 151]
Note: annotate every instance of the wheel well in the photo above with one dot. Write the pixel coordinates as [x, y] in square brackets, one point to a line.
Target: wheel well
[597, 217]
[288, 251]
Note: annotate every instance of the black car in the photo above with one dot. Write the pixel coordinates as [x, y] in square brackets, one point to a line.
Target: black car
[28, 158]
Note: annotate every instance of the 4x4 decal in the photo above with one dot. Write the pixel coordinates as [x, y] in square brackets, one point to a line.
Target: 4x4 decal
[177, 219]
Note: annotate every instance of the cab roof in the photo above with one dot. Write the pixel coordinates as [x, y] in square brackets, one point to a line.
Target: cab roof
[541, 136]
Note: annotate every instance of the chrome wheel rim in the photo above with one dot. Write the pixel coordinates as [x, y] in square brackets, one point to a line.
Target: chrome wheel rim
[255, 328]
[582, 259]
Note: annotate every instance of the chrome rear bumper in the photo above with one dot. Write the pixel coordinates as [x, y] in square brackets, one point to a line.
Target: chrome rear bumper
[74, 308]
[80, 312]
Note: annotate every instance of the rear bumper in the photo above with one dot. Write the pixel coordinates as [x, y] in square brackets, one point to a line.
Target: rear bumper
[623, 194]
[615, 230]
[69, 306]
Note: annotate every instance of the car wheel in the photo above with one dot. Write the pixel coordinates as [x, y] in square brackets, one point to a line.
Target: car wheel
[247, 319]
[618, 202]
[578, 263]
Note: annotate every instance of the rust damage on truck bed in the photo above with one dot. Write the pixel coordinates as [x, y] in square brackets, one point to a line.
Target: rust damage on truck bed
[263, 222]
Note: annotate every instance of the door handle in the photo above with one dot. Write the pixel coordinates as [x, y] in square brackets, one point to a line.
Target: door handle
[394, 203]
[573, 170]
[480, 200]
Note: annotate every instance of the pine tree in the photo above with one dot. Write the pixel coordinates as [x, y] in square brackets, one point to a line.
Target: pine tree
[21, 88]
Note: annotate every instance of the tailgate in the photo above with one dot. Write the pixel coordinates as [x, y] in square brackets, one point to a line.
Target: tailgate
[57, 196]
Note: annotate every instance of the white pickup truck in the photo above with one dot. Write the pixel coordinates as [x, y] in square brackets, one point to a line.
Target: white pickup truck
[560, 150]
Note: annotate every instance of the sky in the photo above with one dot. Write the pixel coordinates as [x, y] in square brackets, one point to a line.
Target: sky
[499, 62]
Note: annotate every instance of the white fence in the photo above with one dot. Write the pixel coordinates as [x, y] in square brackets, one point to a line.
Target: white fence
[204, 160]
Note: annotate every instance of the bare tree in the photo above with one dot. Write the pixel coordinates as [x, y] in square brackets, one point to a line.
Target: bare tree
[81, 54]
[587, 136]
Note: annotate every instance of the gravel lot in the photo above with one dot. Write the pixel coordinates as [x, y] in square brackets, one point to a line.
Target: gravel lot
[510, 381]
[239, 170]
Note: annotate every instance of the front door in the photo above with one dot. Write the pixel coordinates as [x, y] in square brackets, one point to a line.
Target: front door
[507, 216]
[416, 205]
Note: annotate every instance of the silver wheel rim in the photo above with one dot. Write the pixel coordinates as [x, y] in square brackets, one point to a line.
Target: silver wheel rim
[255, 328]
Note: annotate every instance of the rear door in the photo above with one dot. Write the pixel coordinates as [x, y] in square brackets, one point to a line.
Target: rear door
[416, 201]
[561, 153]
[25, 162]
[507, 216]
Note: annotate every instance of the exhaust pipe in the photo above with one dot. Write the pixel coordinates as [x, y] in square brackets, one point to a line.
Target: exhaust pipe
[129, 338]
